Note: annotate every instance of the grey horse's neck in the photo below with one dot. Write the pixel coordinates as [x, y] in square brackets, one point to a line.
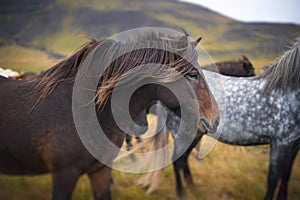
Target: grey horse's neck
[248, 116]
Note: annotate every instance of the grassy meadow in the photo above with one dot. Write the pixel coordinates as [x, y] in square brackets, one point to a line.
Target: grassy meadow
[227, 172]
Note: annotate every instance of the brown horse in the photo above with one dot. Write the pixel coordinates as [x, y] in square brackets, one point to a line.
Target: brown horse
[38, 129]
[239, 68]
[27, 76]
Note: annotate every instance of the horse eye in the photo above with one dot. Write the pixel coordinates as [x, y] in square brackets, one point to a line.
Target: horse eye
[193, 75]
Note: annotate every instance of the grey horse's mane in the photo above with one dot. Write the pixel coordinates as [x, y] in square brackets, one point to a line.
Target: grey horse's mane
[284, 73]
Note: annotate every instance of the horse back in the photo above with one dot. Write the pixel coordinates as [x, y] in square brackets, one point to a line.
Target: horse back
[38, 139]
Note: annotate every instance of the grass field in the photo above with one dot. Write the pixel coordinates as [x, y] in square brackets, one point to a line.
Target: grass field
[23, 59]
[228, 172]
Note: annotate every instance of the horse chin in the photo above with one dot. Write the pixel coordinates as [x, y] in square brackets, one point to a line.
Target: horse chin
[201, 129]
[212, 130]
[203, 125]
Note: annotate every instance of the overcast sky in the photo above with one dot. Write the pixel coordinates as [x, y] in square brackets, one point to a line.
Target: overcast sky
[256, 10]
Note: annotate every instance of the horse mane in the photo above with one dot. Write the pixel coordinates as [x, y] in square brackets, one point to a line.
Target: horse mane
[134, 52]
[284, 72]
[65, 70]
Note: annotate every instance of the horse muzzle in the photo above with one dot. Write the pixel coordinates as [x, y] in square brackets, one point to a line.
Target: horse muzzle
[209, 127]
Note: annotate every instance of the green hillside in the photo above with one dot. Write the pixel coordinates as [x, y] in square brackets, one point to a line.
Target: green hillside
[52, 29]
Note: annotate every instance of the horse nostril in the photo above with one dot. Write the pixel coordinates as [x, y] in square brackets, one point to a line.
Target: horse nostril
[214, 127]
[205, 124]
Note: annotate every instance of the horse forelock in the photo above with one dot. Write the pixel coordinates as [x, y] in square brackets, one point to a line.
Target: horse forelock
[284, 72]
[144, 60]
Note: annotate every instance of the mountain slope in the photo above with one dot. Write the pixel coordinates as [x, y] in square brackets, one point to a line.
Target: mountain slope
[54, 27]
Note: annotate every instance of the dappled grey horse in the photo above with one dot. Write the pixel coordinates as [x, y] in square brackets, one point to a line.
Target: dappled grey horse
[257, 111]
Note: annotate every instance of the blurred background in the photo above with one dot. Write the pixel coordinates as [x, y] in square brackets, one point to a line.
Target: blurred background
[35, 34]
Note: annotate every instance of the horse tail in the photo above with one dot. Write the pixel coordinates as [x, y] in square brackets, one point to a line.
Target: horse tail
[153, 178]
[159, 158]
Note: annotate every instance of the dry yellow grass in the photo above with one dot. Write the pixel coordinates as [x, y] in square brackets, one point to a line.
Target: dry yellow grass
[228, 172]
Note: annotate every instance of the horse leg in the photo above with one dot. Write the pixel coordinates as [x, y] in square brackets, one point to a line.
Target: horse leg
[177, 168]
[64, 182]
[145, 180]
[155, 180]
[186, 169]
[129, 146]
[185, 166]
[138, 138]
[187, 175]
[282, 194]
[128, 141]
[100, 181]
[277, 156]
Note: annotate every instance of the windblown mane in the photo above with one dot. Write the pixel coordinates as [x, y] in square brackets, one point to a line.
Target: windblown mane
[284, 73]
[63, 71]
[134, 52]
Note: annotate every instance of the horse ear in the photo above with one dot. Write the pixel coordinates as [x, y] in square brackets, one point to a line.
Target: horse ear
[243, 57]
[194, 43]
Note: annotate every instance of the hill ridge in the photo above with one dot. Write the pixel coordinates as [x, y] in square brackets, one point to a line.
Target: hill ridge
[52, 25]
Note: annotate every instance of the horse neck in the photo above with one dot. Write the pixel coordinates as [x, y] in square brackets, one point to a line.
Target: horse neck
[251, 117]
[240, 101]
[139, 101]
